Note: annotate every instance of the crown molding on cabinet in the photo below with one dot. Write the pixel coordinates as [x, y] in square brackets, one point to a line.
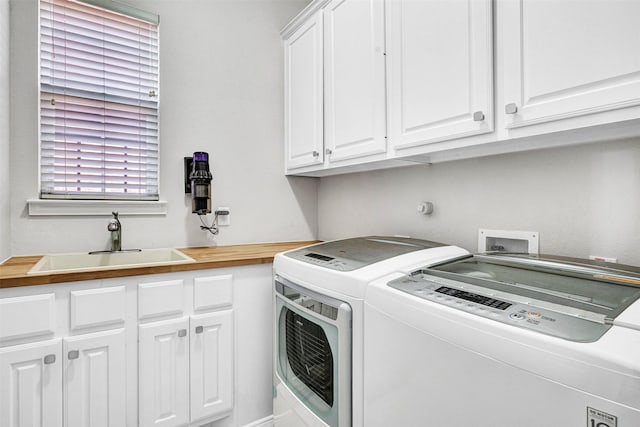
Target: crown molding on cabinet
[302, 17]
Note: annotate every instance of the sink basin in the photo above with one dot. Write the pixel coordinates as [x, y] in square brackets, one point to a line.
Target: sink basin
[100, 261]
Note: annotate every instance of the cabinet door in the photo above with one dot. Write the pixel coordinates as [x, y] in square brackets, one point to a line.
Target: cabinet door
[355, 123]
[303, 95]
[211, 365]
[440, 72]
[163, 369]
[565, 58]
[95, 379]
[31, 385]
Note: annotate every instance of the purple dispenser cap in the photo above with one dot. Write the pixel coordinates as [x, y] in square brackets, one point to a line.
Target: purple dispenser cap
[200, 156]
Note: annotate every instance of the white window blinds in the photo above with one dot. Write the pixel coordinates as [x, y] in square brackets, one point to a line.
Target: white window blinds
[98, 103]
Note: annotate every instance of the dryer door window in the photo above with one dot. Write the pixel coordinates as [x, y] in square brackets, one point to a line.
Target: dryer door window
[309, 354]
[313, 351]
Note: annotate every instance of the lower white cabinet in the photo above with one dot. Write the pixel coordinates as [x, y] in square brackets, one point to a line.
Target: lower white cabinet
[163, 369]
[157, 350]
[186, 369]
[211, 358]
[94, 379]
[31, 385]
[79, 379]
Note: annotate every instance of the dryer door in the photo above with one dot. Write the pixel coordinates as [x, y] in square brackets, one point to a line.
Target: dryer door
[313, 351]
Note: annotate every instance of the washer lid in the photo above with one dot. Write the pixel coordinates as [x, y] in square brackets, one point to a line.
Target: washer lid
[568, 286]
[552, 296]
[350, 254]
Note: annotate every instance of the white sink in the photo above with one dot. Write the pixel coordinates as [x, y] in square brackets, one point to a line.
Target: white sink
[100, 261]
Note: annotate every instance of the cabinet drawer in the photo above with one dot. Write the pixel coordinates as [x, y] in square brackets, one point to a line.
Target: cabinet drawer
[212, 292]
[97, 307]
[27, 316]
[160, 299]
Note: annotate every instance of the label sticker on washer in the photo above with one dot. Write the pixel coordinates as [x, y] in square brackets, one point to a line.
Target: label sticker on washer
[597, 418]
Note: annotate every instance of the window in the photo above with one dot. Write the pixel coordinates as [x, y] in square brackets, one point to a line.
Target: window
[98, 101]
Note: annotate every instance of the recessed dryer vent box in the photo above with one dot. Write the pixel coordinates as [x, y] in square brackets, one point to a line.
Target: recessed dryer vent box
[508, 241]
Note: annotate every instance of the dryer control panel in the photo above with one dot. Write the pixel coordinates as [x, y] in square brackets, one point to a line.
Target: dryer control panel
[351, 254]
[511, 309]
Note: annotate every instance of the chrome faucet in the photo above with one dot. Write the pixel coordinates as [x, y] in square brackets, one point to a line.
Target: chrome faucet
[115, 228]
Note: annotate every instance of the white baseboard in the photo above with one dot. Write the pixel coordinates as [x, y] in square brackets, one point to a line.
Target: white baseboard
[264, 422]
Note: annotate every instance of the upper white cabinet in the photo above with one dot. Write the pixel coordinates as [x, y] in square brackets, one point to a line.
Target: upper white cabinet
[303, 102]
[440, 70]
[354, 70]
[566, 72]
[564, 59]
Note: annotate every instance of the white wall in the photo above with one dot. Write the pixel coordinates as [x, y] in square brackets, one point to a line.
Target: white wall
[221, 92]
[584, 200]
[5, 229]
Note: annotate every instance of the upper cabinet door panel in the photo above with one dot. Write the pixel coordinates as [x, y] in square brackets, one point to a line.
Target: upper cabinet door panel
[566, 58]
[440, 72]
[303, 95]
[354, 78]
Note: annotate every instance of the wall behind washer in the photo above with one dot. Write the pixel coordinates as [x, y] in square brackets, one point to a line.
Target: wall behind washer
[584, 200]
[221, 92]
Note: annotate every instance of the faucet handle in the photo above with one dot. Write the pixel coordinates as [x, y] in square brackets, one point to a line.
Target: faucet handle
[114, 223]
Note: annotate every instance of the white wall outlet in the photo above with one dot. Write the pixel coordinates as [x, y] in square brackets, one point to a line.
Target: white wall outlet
[508, 241]
[224, 216]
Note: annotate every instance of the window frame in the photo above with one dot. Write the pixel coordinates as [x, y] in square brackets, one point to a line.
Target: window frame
[76, 203]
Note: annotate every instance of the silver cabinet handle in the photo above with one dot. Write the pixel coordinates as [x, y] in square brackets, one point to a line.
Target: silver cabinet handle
[182, 333]
[73, 354]
[511, 108]
[478, 116]
[328, 151]
[199, 329]
[315, 153]
[49, 359]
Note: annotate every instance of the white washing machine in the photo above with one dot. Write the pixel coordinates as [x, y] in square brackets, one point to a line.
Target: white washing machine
[503, 341]
[318, 341]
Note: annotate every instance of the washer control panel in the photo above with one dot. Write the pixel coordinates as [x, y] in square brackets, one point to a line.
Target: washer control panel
[334, 263]
[488, 304]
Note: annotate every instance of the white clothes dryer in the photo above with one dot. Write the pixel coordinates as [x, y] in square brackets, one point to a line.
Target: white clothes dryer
[501, 341]
[318, 341]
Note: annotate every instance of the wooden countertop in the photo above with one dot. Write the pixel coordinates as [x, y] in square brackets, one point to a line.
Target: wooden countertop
[14, 271]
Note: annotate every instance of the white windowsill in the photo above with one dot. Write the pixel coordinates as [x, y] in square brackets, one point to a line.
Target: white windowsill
[50, 207]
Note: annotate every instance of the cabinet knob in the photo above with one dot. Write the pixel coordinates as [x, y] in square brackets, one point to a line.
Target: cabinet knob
[315, 153]
[49, 359]
[199, 329]
[182, 333]
[511, 108]
[73, 354]
[478, 116]
[328, 151]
